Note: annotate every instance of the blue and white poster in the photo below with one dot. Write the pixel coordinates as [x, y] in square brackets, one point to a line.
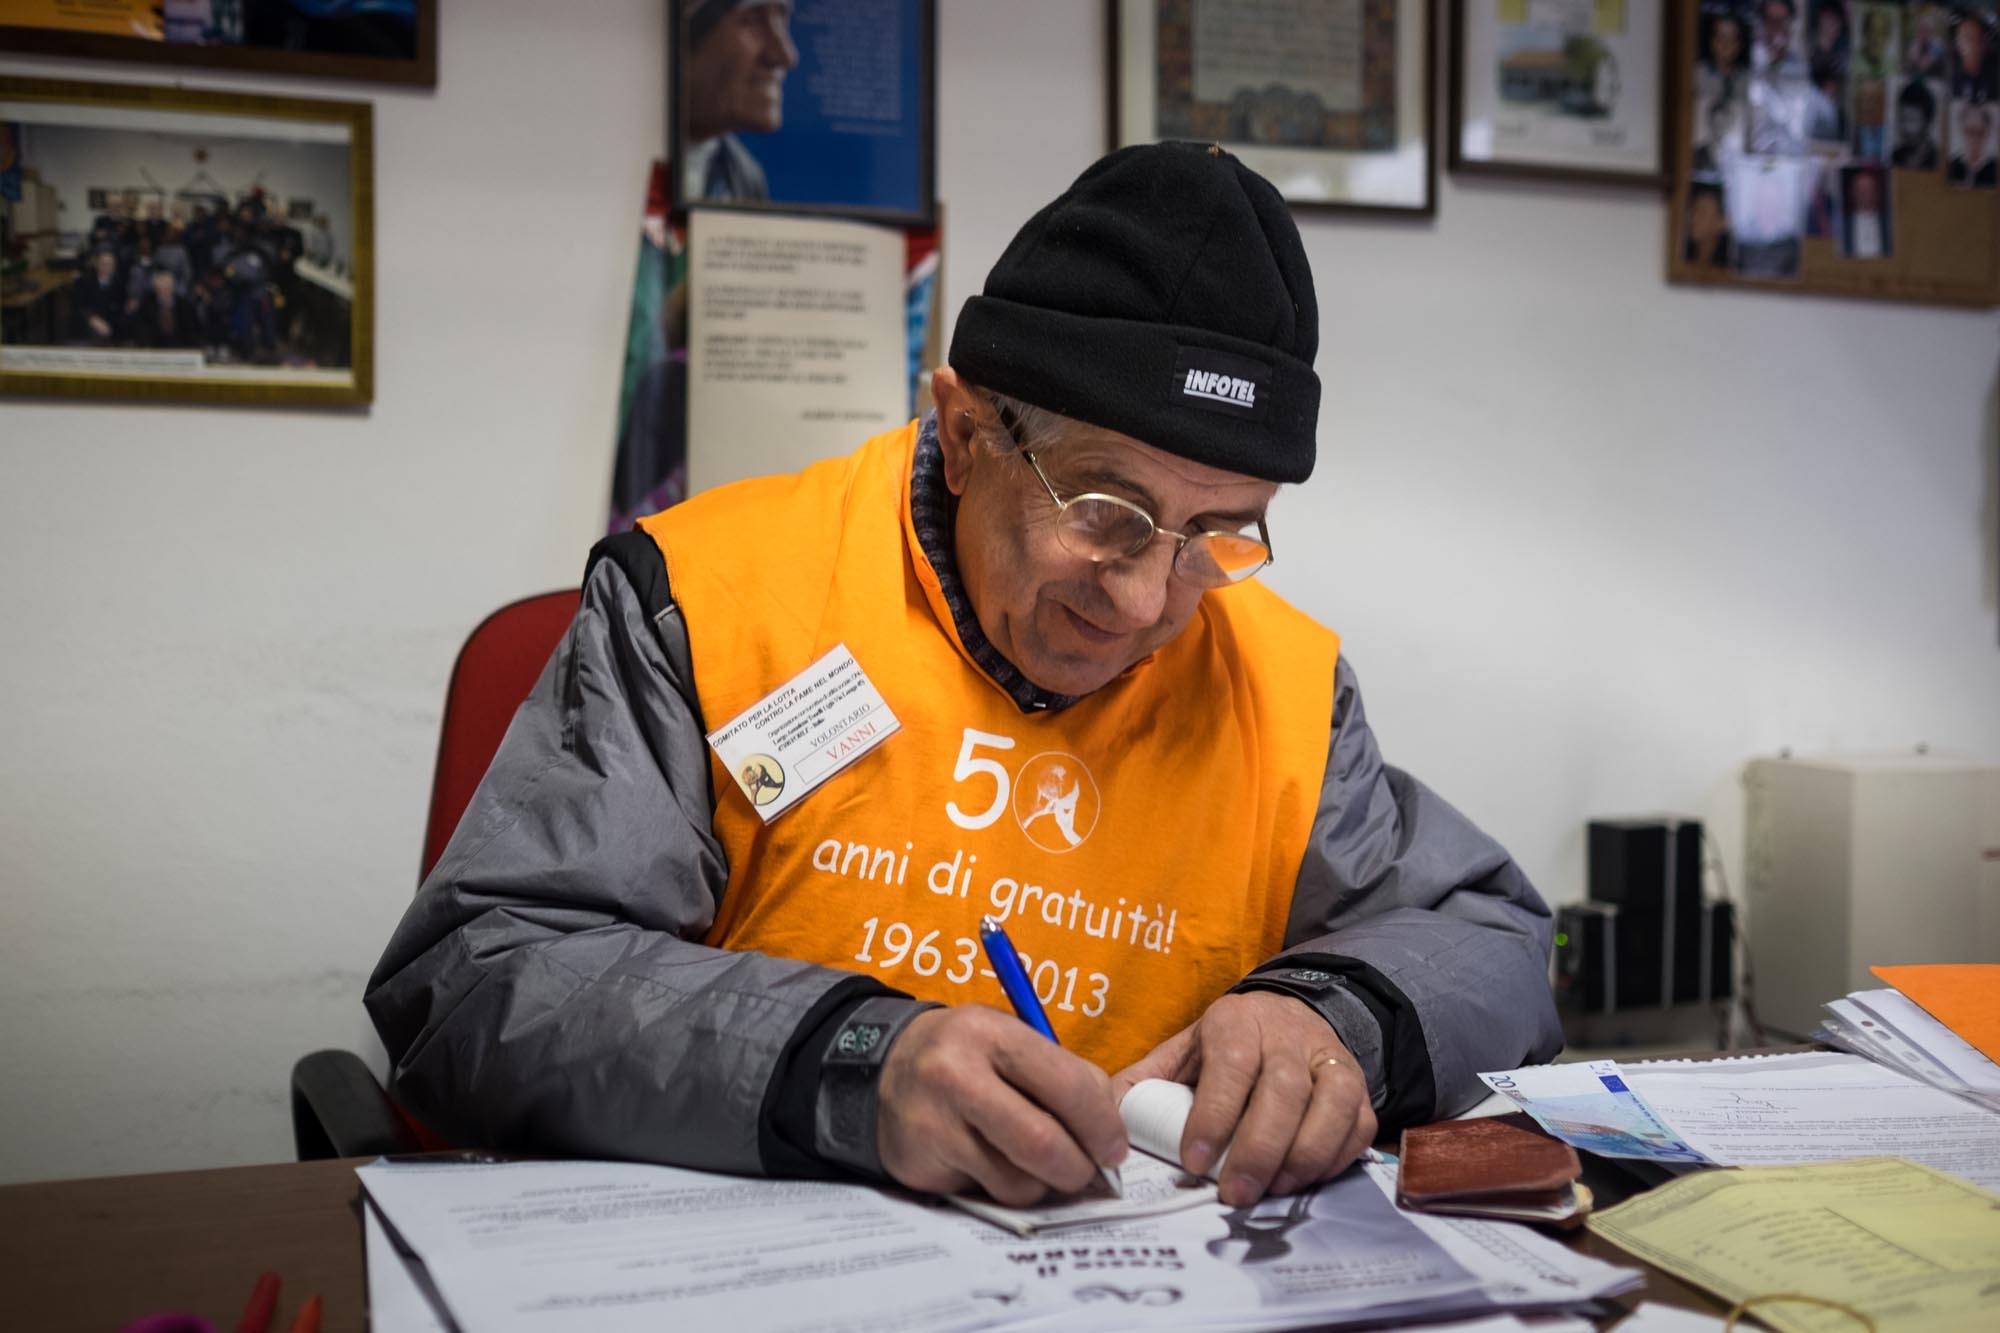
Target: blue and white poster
[808, 106]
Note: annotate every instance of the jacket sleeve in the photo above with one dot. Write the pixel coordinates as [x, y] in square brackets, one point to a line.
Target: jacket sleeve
[546, 990]
[1414, 933]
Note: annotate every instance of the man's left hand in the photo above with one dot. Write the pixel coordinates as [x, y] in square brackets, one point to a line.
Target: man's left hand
[1273, 1084]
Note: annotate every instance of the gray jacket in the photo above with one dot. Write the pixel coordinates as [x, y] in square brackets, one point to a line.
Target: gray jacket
[546, 990]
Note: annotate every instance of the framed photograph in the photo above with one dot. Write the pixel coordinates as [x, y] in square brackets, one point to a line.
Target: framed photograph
[818, 106]
[379, 41]
[194, 279]
[1568, 90]
[1328, 99]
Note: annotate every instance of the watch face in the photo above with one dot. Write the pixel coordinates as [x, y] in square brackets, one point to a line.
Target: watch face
[858, 1039]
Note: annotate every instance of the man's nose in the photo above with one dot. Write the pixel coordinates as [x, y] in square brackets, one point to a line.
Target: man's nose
[778, 48]
[1138, 585]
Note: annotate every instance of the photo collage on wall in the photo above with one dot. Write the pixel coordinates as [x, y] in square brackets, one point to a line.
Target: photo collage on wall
[1805, 112]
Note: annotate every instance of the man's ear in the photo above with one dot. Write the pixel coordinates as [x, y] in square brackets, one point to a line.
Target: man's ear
[957, 422]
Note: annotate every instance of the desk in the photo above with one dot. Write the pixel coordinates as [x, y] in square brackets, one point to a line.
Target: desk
[92, 1255]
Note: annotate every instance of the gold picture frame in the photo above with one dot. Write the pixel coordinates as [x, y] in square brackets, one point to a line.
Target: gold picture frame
[369, 44]
[149, 248]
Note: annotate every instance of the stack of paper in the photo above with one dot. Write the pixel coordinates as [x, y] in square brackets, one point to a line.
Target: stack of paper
[1900, 1246]
[1965, 997]
[1891, 1029]
[1775, 1110]
[561, 1246]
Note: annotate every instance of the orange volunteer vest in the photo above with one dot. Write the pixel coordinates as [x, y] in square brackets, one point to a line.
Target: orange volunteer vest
[1141, 846]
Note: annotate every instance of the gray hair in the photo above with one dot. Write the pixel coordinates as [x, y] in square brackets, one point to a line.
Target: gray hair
[1041, 430]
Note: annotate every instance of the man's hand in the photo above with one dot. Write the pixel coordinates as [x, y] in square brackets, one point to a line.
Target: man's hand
[1272, 1083]
[970, 1095]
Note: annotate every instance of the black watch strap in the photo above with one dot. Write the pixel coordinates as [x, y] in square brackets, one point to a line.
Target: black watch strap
[1376, 1020]
[846, 1112]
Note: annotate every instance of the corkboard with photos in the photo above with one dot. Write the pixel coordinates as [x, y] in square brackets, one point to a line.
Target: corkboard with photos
[1844, 147]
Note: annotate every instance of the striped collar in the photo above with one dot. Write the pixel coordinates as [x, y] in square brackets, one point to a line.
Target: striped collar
[933, 508]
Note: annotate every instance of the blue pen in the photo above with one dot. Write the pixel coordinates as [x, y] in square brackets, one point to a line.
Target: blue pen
[1021, 994]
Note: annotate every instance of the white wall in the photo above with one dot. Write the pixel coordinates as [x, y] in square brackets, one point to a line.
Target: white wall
[1592, 542]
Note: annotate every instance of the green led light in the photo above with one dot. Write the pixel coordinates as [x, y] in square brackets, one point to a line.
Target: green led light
[1562, 938]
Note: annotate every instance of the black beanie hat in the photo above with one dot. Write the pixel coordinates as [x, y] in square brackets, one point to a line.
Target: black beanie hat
[1165, 295]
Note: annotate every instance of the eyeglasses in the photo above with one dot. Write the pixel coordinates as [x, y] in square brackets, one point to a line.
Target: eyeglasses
[1102, 528]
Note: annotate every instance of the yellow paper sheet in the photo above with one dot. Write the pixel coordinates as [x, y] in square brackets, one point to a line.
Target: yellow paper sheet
[1911, 1247]
[1965, 997]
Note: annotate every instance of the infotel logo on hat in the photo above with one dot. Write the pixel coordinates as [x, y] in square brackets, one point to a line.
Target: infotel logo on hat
[1221, 388]
[1219, 382]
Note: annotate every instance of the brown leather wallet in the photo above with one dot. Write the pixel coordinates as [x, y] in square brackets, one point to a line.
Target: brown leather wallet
[1488, 1168]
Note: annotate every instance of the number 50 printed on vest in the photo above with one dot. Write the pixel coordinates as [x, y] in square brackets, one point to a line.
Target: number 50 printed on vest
[1055, 799]
[1055, 803]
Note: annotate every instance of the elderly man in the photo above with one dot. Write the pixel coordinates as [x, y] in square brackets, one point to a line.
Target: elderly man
[737, 53]
[1107, 732]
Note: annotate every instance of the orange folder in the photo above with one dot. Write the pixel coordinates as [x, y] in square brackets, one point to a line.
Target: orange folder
[1965, 997]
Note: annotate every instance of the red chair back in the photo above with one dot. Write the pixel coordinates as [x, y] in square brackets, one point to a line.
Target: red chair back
[495, 670]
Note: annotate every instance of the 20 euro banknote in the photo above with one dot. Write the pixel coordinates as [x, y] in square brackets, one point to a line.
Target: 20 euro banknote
[1590, 1106]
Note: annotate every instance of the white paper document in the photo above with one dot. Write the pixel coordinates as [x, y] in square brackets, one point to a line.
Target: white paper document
[1518, 1267]
[1789, 1110]
[1935, 1053]
[1151, 1187]
[1854, 1029]
[606, 1247]
[1651, 1317]
[560, 1246]
[798, 342]
[1338, 1254]
[396, 1299]
[1335, 1254]
[1155, 1113]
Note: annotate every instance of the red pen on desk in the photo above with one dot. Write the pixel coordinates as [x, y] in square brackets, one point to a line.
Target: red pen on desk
[308, 1320]
[263, 1303]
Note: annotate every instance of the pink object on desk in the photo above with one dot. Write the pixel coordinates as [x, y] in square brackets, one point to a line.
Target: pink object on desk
[169, 1323]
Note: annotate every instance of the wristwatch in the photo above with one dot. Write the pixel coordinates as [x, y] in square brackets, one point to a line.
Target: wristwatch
[845, 1113]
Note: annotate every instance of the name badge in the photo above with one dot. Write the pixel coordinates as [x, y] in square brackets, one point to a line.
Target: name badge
[802, 733]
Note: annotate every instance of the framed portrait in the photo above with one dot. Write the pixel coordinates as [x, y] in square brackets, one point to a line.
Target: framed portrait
[379, 41]
[1571, 90]
[817, 106]
[1328, 99]
[196, 278]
